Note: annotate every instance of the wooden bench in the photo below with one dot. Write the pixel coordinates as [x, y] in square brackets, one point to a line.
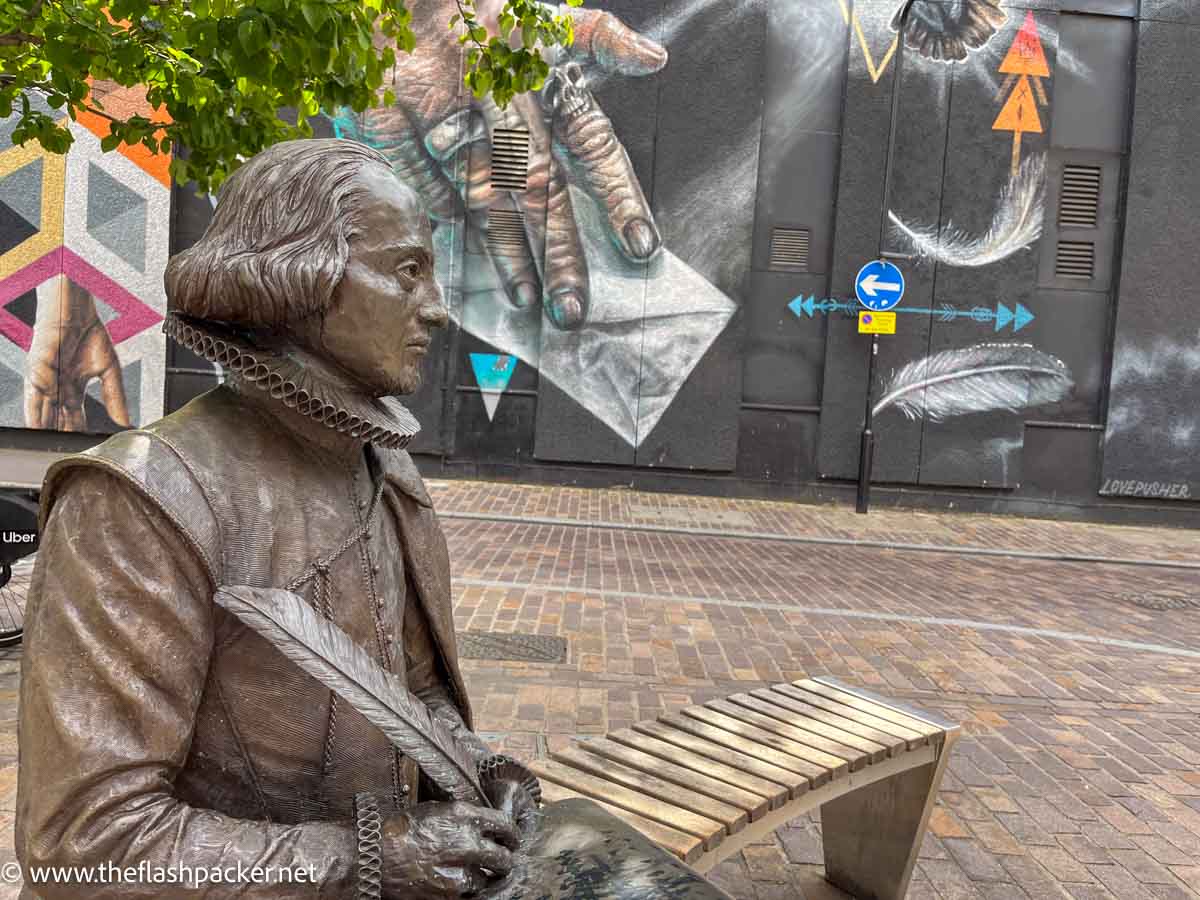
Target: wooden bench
[706, 781]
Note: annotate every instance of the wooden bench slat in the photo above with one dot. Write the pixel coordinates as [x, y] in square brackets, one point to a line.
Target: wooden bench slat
[872, 751]
[773, 793]
[836, 765]
[946, 726]
[685, 846]
[912, 738]
[753, 805]
[710, 833]
[578, 757]
[876, 709]
[889, 742]
[746, 712]
[817, 775]
[795, 784]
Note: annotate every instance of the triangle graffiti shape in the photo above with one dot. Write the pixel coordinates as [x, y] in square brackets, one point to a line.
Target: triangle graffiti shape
[21, 192]
[1026, 56]
[882, 38]
[107, 198]
[125, 236]
[1004, 315]
[493, 371]
[1020, 112]
[15, 229]
[491, 399]
[1022, 318]
[801, 306]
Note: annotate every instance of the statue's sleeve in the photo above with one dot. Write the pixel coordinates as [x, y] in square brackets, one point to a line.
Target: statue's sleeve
[119, 633]
[428, 681]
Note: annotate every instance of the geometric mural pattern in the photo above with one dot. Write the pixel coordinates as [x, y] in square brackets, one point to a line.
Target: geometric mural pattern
[83, 246]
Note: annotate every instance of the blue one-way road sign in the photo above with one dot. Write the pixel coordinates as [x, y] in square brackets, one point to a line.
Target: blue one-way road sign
[879, 286]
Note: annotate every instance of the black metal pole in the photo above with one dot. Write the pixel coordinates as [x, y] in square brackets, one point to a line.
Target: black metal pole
[866, 450]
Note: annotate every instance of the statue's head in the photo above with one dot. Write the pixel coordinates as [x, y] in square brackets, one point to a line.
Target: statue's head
[316, 242]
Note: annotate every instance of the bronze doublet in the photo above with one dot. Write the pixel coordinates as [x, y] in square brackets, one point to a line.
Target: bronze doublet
[258, 495]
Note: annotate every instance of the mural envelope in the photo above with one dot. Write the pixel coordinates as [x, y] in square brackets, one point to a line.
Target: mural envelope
[648, 327]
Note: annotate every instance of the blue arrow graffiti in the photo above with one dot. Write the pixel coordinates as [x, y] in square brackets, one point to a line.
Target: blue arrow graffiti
[1002, 315]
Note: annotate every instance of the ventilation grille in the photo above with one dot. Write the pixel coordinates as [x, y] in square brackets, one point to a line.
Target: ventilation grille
[1075, 259]
[1079, 203]
[510, 159]
[789, 249]
[506, 232]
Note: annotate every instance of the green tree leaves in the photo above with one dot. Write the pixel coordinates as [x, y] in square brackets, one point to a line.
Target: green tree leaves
[493, 65]
[218, 71]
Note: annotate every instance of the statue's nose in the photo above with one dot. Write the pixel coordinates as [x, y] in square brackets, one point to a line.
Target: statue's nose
[433, 308]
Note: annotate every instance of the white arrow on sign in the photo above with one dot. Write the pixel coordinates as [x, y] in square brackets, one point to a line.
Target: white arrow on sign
[871, 284]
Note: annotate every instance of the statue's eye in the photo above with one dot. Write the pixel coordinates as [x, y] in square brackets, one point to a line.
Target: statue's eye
[410, 269]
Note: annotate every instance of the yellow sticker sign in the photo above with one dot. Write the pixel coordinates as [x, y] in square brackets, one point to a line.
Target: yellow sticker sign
[876, 322]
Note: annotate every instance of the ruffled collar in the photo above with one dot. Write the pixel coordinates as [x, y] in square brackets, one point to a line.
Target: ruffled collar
[382, 422]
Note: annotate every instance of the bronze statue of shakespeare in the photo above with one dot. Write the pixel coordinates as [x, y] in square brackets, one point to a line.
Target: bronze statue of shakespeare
[240, 649]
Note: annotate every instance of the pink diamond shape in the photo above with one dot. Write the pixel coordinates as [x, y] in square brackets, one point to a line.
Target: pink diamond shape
[133, 317]
[17, 284]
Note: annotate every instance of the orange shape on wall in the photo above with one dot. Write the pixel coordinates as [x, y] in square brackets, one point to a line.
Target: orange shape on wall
[121, 103]
[1026, 56]
[1020, 112]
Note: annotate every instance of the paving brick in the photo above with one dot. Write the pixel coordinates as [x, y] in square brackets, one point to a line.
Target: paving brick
[950, 882]
[1189, 875]
[1143, 866]
[1026, 830]
[1124, 821]
[1118, 880]
[1061, 864]
[976, 862]
[1089, 892]
[944, 824]
[767, 863]
[997, 839]
[1163, 851]
[1170, 892]
[996, 800]
[1034, 878]
[1084, 849]
[802, 844]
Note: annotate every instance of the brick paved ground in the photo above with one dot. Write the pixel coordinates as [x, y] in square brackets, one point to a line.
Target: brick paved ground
[1079, 772]
[824, 521]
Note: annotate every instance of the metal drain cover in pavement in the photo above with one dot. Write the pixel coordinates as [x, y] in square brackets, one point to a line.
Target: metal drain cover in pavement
[1162, 602]
[498, 645]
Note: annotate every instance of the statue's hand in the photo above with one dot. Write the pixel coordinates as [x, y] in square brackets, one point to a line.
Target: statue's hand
[513, 799]
[445, 850]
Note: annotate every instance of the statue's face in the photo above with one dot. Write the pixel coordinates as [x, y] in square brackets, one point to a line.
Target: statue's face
[378, 329]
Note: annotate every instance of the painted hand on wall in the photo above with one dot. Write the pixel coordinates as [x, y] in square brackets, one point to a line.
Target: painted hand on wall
[70, 347]
[542, 259]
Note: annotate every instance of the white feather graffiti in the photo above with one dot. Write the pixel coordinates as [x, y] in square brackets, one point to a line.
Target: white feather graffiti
[1016, 225]
[976, 379]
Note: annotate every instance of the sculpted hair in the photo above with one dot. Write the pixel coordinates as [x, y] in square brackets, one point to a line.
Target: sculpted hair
[278, 242]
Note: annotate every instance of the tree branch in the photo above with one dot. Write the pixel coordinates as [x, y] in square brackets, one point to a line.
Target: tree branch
[20, 38]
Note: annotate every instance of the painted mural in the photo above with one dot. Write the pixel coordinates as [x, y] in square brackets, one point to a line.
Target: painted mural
[600, 304]
[612, 299]
[83, 245]
[965, 214]
[621, 294]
